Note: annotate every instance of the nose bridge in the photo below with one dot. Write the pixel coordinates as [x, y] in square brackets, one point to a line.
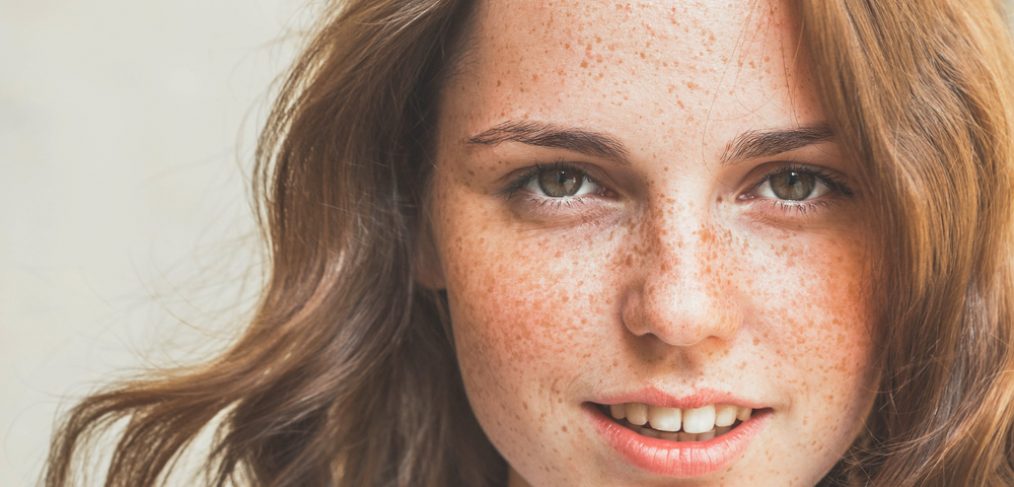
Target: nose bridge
[682, 298]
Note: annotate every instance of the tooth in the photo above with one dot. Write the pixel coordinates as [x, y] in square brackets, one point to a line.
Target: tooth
[699, 420]
[688, 437]
[664, 419]
[707, 435]
[743, 414]
[649, 432]
[725, 414]
[619, 411]
[637, 413]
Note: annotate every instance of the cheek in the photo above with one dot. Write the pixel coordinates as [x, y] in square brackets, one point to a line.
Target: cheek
[527, 306]
[820, 308]
[818, 330]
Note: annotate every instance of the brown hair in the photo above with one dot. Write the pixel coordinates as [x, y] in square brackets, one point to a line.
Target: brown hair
[917, 92]
[921, 96]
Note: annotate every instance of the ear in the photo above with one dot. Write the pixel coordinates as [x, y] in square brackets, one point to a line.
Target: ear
[429, 271]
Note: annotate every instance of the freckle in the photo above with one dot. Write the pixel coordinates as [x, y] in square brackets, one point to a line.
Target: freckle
[563, 428]
[691, 85]
[584, 64]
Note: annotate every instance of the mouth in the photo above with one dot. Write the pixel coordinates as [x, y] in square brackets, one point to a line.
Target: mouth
[679, 442]
[676, 424]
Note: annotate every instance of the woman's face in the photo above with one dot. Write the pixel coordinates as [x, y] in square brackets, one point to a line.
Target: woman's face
[652, 247]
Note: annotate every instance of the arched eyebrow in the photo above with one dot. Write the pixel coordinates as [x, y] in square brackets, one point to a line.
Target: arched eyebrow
[764, 143]
[554, 136]
[747, 145]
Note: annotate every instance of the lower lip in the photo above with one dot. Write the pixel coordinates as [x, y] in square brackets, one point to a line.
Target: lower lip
[675, 458]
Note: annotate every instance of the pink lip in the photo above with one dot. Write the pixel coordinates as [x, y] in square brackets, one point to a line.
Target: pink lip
[675, 458]
[657, 397]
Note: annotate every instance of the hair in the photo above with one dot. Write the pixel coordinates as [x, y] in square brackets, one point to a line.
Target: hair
[919, 95]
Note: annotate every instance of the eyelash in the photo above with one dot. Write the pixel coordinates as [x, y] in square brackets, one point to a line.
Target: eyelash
[834, 183]
[804, 207]
[525, 178]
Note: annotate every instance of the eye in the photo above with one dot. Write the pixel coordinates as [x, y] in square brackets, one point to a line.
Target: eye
[561, 183]
[793, 185]
[799, 190]
[559, 193]
[558, 181]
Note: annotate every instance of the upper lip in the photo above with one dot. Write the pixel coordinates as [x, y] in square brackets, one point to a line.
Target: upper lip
[654, 396]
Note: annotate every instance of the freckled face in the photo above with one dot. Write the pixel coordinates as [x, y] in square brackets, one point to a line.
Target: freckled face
[640, 203]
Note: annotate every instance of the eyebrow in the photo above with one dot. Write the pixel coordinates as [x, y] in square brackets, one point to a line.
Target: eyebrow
[761, 143]
[747, 145]
[554, 136]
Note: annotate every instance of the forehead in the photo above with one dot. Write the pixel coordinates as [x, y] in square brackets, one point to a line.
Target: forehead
[687, 67]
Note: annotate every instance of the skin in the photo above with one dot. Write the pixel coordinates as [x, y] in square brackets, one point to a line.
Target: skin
[682, 273]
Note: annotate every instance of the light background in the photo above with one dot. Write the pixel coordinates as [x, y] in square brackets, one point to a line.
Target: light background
[126, 234]
[126, 138]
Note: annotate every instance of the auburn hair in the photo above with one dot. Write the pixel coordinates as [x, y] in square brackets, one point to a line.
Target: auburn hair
[919, 95]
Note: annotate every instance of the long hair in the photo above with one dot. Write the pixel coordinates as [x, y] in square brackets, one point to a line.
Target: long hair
[920, 94]
[346, 374]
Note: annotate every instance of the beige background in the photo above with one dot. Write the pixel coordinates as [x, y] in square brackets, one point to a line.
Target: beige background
[126, 238]
[126, 132]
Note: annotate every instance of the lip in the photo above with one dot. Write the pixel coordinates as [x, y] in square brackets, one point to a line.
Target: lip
[675, 458]
[658, 397]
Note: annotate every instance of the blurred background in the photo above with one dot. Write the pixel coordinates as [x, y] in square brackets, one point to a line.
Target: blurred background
[126, 235]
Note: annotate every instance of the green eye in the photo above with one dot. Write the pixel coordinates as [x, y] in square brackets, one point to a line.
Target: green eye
[559, 183]
[793, 185]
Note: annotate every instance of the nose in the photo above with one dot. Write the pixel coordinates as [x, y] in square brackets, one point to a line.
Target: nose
[683, 292]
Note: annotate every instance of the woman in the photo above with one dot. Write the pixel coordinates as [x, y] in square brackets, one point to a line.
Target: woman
[529, 243]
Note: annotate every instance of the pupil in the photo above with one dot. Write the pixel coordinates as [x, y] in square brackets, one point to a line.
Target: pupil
[559, 183]
[792, 185]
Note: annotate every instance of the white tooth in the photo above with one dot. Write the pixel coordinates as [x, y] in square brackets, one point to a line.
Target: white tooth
[637, 413]
[725, 414]
[721, 430]
[688, 437]
[707, 435]
[664, 419]
[699, 420]
[619, 411]
[743, 414]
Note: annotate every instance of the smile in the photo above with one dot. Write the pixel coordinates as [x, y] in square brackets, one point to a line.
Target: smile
[679, 437]
[675, 424]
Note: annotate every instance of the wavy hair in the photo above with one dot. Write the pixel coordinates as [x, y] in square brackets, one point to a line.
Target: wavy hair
[346, 374]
